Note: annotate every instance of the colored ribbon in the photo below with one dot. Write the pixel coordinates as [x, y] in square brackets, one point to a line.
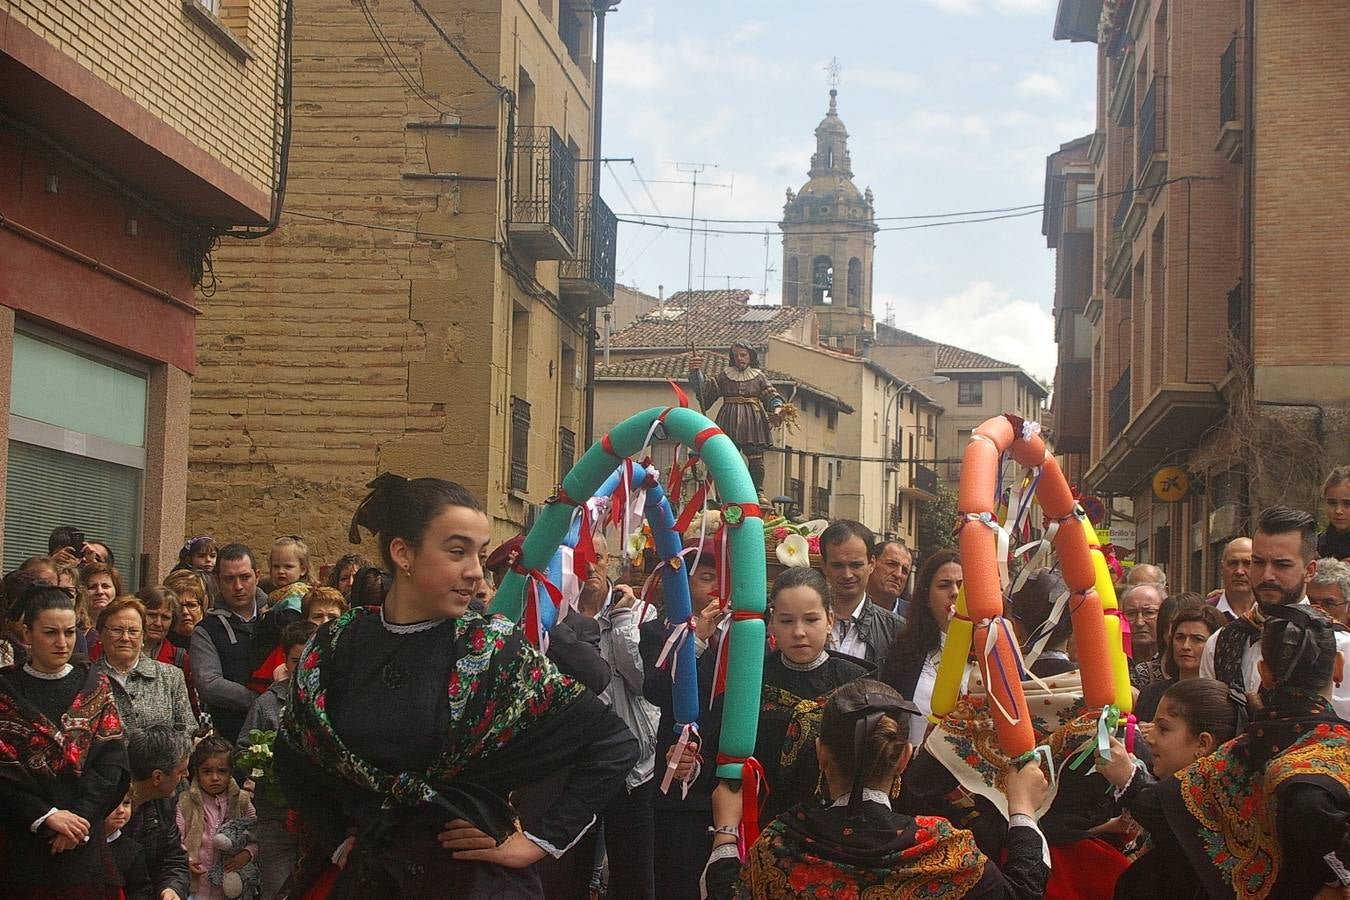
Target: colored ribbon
[994, 662]
[1126, 642]
[687, 734]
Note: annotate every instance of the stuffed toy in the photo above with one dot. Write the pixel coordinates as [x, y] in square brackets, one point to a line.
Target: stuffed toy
[231, 837]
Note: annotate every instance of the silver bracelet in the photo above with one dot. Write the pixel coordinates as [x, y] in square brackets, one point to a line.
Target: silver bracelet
[732, 830]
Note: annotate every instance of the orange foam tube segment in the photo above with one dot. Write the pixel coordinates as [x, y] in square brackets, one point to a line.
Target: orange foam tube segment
[979, 570]
[1075, 560]
[1053, 492]
[1015, 738]
[999, 430]
[1094, 654]
[979, 469]
[1029, 452]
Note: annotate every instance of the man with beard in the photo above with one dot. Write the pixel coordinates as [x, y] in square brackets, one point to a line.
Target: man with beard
[1284, 558]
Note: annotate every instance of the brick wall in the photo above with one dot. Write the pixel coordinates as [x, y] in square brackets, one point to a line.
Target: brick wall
[1303, 126]
[153, 53]
[330, 352]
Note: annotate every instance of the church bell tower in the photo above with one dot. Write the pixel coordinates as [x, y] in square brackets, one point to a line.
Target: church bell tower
[828, 239]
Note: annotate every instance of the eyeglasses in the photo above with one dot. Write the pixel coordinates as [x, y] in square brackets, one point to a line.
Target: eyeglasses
[123, 632]
[1328, 604]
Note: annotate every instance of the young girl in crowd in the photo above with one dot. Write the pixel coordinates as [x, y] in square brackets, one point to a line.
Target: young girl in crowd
[1265, 815]
[798, 676]
[1335, 541]
[911, 666]
[288, 562]
[344, 572]
[1193, 718]
[67, 760]
[409, 725]
[198, 554]
[211, 799]
[855, 845]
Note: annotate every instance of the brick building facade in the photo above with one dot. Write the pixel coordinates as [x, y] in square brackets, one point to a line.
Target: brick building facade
[1217, 300]
[131, 134]
[422, 307]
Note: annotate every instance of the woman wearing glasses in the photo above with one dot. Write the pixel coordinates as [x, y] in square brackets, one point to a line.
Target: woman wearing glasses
[148, 692]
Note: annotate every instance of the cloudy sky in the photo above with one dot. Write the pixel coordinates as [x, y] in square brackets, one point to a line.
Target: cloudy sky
[951, 105]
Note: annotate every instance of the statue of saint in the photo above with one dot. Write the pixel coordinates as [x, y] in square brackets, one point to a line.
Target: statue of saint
[750, 404]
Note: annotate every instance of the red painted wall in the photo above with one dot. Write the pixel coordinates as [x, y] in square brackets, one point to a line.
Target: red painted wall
[91, 217]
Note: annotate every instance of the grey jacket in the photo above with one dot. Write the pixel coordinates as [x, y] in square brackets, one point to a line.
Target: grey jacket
[877, 627]
[265, 713]
[152, 693]
[619, 648]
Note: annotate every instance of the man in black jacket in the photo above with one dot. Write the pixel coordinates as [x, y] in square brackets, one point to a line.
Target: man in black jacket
[159, 762]
[862, 629]
[221, 648]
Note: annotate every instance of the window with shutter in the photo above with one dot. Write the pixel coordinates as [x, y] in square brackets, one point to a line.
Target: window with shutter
[520, 445]
[77, 430]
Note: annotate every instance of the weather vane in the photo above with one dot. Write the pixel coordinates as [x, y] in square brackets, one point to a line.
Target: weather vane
[833, 71]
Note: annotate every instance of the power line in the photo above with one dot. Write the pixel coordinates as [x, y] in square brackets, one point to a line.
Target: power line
[386, 46]
[450, 42]
[419, 234]
[1011, 212]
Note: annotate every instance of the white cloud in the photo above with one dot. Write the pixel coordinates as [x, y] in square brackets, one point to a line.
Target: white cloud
[983, 318]
[1040, 84]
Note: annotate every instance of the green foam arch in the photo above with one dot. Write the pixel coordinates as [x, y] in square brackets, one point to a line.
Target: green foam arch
[749, 589]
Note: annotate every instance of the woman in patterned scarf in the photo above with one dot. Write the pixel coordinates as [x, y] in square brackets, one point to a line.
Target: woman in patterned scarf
[410, 724]
[63, 763]
[857, 846]
[1266, 814]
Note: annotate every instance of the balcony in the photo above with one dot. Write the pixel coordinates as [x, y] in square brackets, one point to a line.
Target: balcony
[1230, 120]
[1151, 137]
[1172, 421]
[1118, 407]
[588, 280]
[1123, 207]
[1121, 108]
[922, 485]
[544, 202]
[1119, 264]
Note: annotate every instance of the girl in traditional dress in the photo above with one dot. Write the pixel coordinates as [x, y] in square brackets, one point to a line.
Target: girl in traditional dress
[410, 724]
[1194, 717]
[63, 762]
[798, 676]
[855, 845]
[1265, 815]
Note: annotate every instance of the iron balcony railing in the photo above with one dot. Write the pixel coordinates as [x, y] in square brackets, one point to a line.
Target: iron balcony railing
[567, 451]
[545, 174]
[820, 502]
[1148, 126]
[1228, 84]
[598, 229]
[1123, 207]
[1118, 407]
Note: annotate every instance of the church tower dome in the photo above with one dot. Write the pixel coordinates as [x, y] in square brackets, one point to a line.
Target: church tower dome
[828, 240]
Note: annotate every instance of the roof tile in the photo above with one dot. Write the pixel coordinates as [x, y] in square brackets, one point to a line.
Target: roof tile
[708, 320]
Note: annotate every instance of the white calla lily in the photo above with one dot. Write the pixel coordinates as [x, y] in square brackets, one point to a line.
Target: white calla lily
[794, 551]
[636, 542]
[814, 527]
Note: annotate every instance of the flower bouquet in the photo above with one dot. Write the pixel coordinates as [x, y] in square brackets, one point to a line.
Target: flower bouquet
[792, 544]
[257, 762]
